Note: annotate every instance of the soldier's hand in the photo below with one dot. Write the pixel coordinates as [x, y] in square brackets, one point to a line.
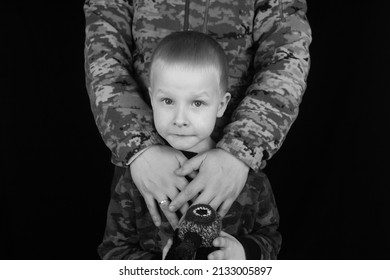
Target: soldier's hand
[153, 174]
[220, 180]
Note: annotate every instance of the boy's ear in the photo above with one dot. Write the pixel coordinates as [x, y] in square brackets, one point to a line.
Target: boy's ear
[223, 104]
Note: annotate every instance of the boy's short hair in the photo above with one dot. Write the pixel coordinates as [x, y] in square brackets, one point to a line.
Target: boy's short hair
[191, 49]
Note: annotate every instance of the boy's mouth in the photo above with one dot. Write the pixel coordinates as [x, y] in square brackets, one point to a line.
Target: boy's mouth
[181, 135]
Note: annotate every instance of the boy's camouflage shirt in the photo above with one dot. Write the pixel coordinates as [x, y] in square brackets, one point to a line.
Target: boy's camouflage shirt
[130, 233]
[267, 47]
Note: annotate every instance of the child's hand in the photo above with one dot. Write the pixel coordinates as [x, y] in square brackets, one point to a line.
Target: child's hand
[153, 174]
[230, 248]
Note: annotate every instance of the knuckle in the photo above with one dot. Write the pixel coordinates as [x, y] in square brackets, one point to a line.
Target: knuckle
[223, 212]
[189, 192]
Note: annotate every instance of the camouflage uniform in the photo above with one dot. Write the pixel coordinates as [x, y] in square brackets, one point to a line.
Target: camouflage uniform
[267, 46]
[131, 234]
[266, 43]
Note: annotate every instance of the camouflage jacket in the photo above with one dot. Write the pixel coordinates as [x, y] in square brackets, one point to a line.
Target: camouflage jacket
[130, 233]
[267, 47]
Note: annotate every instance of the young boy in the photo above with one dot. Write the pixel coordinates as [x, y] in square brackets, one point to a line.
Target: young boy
[188, 83]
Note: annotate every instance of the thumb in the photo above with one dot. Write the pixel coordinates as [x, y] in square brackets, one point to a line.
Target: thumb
[181, 158]
[190, 165]
[223, 234]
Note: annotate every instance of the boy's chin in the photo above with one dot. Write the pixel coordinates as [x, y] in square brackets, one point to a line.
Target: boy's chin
[192, 146]
[183, 148]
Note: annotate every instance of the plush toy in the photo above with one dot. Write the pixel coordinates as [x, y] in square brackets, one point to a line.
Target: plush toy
[194, 237]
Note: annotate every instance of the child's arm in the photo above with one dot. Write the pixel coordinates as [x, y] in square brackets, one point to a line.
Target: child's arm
[263, 240]
[121, 239]
[262, 244]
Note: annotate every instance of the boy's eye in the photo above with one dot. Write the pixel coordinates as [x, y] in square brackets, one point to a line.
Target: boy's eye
[198, 103]
[167, 101]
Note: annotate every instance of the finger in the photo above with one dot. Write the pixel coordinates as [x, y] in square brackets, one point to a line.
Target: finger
[216, 202]
[220, 242]
[190, 165]
[205, 197]
[184, 209]
[222, 239]
[171, 216]
[150, 203]
[181, 219]
[181, 183]
[167, 247]
[217, 255]
[186, 194]
[193, 174]
[223, 234]
[181, 158]
[210, 193]
[194, 199]
[224, 207]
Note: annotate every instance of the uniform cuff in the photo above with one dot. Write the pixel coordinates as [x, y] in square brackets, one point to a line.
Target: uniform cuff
[137, 155]
[250, 156]
[130, 150]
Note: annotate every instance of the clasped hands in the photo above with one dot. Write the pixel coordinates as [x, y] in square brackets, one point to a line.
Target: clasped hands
[159, 174]
[218, 178]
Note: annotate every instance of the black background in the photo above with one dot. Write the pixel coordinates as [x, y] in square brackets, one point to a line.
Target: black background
[328, 177]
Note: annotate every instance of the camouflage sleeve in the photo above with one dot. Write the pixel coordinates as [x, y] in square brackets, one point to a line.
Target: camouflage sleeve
[262, 119]
[121, 239]
[123, 118]
[264, 240]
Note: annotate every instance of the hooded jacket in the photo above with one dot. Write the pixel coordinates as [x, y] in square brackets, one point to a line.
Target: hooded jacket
[267, 45]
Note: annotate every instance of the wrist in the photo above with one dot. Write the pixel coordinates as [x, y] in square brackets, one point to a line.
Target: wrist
[142, 153]
[245, 166]
[135, 156]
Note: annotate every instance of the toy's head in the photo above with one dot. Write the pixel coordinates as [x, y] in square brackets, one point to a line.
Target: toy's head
[200, 226]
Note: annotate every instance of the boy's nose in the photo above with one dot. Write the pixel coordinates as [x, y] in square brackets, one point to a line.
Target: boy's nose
[181, 118]
[180, 123]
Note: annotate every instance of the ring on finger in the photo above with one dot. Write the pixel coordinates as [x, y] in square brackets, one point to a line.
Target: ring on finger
[163, 202]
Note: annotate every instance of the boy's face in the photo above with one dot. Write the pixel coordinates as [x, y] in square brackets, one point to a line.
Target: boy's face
[186, 103]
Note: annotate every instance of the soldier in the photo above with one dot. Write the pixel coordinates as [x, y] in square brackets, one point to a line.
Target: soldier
[188, 83]
[266, 43]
